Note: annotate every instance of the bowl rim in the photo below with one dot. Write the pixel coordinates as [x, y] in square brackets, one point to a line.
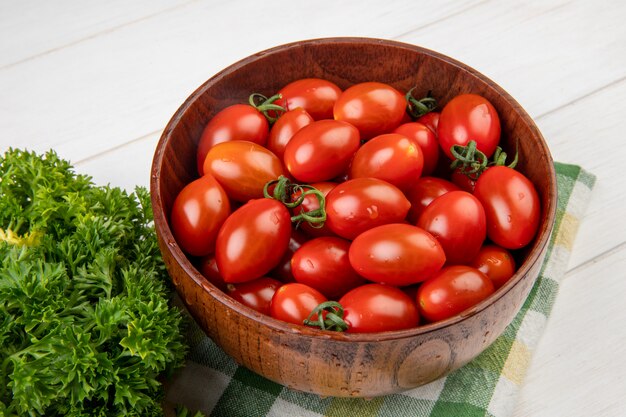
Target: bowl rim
[162, 227]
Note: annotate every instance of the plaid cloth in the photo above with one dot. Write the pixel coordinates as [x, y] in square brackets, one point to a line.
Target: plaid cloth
[488, 386]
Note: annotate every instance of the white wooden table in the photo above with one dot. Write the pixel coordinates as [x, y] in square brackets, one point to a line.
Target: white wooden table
[98, 80]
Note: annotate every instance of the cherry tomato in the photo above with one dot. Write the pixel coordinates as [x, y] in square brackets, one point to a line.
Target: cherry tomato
[256, 294]
[315, 95]
[283, 269]
[374, 108]
[197, 214]
[236, 122]
[396, 254]
[321, 151]
[252, 240]
[242, 168]
[511, 204]
[208, 268]
[430, 120]
[453, 290]
[495, 262]
[294, 302]
[391, 157]
[457, 220]
[285, 127]
[423, 191]
[311, 203]
[357, 205]
[377, 308]
[323, 264]
[426, 140]
[464, 182]
[469, 117]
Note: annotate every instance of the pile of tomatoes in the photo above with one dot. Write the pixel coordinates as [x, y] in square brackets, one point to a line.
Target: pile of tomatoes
[339, 209]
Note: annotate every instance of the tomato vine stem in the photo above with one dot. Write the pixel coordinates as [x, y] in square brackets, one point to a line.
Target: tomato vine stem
[283, 191]
[332, 320]
[419, 107]
[472, 162]
[266, 105]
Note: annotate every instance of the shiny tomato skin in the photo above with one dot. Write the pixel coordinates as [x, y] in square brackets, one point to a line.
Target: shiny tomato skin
[242, 168]
[391, 157]
[256, 294]
[315, 95]
[374, 308]
[208, 268]
[464, 182]
[426, 140]
[457, 220]
[252, 240]
[285, 127]
[321, 151]
[495, 262]
[396, 254]
[357, 205]
[423, 191]
[294, 302]
[283, 271]
[430, 120]
[374, 108]
[469, 117]
[453, 290]
[323, 264]
[311, 203]
[236, 122]
[198, 212]
[511, 204]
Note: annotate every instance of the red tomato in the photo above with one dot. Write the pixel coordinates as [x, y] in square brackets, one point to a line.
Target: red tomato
[464, 182]
[208, 268]
[469, 117]
[323, 264]
[457, 220]
[511, 204]
[197, 214]
[321, 150]
[242, 168]
[495, 262]
[255, 294]
[391, 157]
[374, 108]
[294, 302]
[283, 269]
[396, 254]
[453, 290]
[253, 240]
[314, 95]
[311, 203]
[378, 308]
[236, 122]
[357, 205]
[426, 140]
[285, 127]
[430, 120]
[423, 191]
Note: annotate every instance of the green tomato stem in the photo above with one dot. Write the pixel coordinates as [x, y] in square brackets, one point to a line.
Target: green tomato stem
[332, 320]
[419, 107]
[267, 105]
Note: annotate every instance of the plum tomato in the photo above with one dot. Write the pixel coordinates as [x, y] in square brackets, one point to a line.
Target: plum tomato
[469, 117]
[294, 302]
[396, 254]
[390, 157]
[423, 191]
[323, 264]
[357, 205]
[252, 241]
[311, 203]
[256, 294]
[495, 262]
[374, 108]
[208, 268]
[463, 181]
[426, 140]
[315, 95]
[377, 308]
[430, 120]
[283, 270]
[242, 168]
[457, 220]
[197, 215]
[453, 290]
[511, 204]
[285, 127]
[236, 122]
[321, 151]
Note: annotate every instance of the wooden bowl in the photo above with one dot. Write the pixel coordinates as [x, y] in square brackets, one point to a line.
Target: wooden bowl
[327, 363]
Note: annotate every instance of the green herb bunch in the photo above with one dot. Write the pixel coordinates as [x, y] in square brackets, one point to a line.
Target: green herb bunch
[85, 322]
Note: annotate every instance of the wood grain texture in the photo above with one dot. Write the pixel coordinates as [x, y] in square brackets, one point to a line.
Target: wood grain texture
[329, 363]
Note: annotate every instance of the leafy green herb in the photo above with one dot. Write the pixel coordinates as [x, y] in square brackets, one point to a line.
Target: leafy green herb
[85, 323]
